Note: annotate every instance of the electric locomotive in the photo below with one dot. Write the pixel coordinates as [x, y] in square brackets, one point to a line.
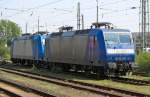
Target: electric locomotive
[104, 51]
[28, 48]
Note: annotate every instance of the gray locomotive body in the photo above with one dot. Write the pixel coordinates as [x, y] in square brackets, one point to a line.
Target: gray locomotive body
[91, 50]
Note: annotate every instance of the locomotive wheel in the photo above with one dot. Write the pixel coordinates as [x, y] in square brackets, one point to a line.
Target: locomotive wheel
[100, 73]
[87, 73]
[36, 65]
[65, 68]
[49, 66]
[107, 73]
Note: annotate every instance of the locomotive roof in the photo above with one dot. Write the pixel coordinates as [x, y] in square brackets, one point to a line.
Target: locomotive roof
[115, 30]
[85, 31]
[28, 36]
[70, 33]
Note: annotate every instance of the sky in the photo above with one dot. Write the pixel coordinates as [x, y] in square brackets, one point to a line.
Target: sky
[55, 13]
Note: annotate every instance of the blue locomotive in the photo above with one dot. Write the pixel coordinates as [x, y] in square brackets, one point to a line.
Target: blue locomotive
[28, 49]
[103, 51]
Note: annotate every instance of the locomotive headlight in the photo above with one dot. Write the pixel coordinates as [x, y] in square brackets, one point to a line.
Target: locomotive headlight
[131, 62]
[112, 65]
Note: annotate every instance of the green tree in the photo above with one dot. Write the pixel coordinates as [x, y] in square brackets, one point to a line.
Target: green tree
[8, 31]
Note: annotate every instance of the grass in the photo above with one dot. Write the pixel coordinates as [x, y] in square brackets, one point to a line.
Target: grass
[138, 88]
[139, 77]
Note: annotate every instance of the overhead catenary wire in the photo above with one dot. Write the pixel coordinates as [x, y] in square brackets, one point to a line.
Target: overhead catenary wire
[13, 9]
[53, 2]
[118, 1]
[106, 4]
[58, 9]
[37, 7]
[121, 10]
[44, 5]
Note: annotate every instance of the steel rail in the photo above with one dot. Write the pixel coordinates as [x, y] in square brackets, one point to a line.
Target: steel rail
[103, 90]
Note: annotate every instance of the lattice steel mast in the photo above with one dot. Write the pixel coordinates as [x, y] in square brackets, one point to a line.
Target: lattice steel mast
[144, 22]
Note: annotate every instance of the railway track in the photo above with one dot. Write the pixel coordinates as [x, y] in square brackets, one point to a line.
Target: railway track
[124, 80]
[17, 89]
[102, 90]
[121, 79]
[7, 93]
[130, 81]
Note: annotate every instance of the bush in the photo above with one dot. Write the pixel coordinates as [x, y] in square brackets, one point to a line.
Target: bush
[4, 52]
[9, 30]
[143, 61]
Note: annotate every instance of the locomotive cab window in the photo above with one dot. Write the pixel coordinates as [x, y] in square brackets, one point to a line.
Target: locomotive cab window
[111, 38]
[115, 38]
[124, 38]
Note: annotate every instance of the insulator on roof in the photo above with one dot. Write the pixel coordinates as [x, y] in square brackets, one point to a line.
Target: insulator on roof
[106, 25]
[41, 32]
[65, 28]
[26, 34]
